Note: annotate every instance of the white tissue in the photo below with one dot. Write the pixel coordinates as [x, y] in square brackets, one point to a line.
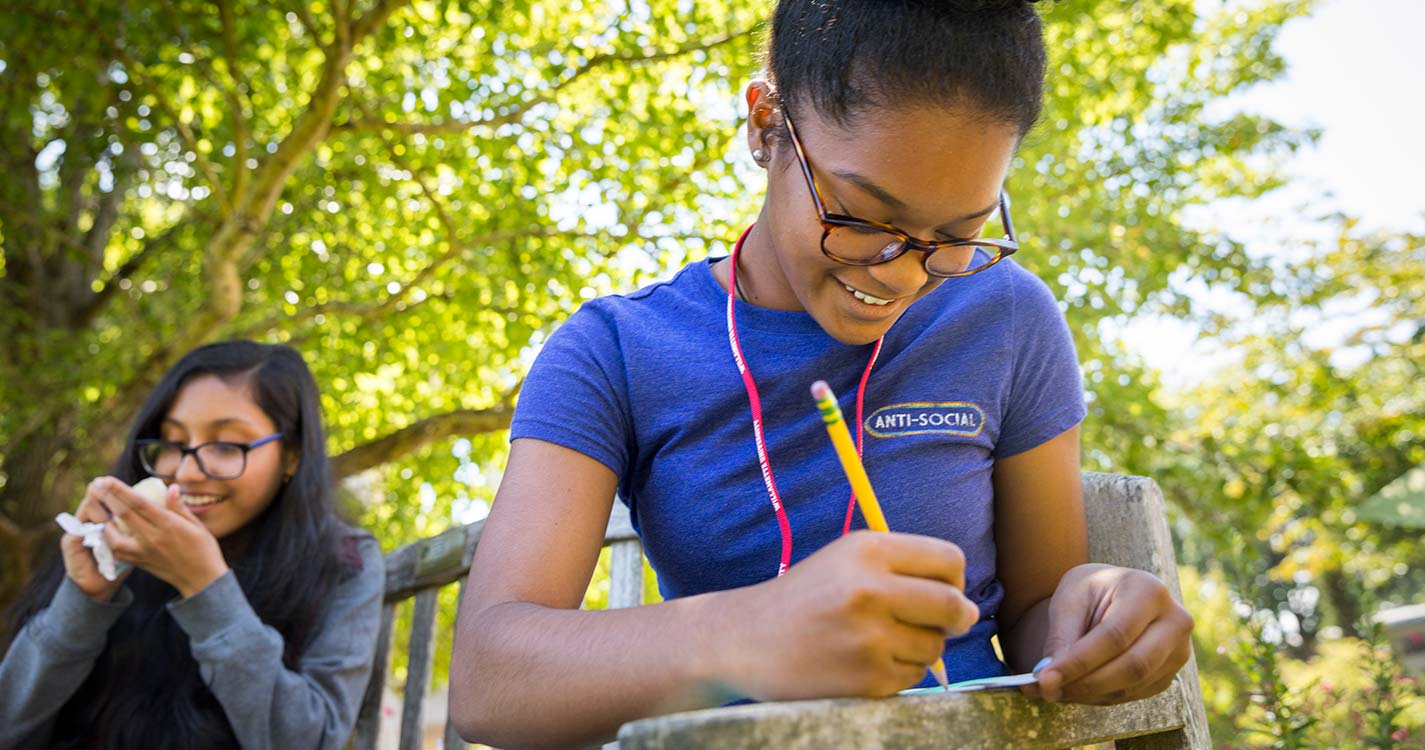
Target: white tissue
[93, 536]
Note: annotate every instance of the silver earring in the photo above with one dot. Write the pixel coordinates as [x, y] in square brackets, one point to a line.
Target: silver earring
[757, 155]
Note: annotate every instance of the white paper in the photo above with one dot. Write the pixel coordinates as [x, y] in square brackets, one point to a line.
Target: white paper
[992, 683]
[970, 686]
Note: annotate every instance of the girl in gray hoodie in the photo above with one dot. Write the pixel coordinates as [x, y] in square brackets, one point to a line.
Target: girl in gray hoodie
[247, 614]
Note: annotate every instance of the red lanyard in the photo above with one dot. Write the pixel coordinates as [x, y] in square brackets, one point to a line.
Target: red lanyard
[754, 399]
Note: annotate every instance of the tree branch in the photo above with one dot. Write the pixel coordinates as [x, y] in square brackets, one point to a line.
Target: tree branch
[131, 266]
[366, 314]
[369, 310]
[22, 203]
[81, 292]
[238, 230]
[97, 238]
[426, 432]
[545, 97]
[106, 210]
[454, 249]
[250, 217]
[41, 228]
[341, 23]
[653, 55]
[339, 308]
[374, 19]
[137, 73]
[233, 93]
[75, 167]
[304, 16]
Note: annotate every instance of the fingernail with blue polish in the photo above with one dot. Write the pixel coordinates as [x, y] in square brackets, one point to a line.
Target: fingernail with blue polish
[1046, 661]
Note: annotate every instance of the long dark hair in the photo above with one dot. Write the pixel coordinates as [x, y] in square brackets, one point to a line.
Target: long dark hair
[145, 689]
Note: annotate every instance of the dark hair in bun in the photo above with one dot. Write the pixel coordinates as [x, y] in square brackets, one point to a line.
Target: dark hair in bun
[845, 57]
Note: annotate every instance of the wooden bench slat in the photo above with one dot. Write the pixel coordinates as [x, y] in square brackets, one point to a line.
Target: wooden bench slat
[1128, 526]
[1178, 739]
[625, 574]
[420, 655]
[453, 740]
[620, 526]
[368, 719]
[434, 562]
[409, 567]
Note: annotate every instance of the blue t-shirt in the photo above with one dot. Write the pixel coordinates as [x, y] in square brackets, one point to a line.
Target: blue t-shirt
[981, 368]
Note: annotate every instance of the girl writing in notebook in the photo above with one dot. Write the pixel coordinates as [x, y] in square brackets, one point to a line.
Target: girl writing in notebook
[883, 262]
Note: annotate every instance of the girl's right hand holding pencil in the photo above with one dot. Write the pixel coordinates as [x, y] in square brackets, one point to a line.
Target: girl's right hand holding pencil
[863, 616]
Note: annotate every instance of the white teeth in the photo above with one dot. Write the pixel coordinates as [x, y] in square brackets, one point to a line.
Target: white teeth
[194, 501]
[864, 297]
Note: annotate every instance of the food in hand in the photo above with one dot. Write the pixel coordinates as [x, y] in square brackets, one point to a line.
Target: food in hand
[153, 490]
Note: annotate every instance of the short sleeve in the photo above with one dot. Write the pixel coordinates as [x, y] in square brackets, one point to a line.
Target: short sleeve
[576, 393]
[1046, 394]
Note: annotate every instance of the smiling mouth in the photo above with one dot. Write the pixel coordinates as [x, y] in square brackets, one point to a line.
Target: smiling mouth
[864, 297]
[201, 501]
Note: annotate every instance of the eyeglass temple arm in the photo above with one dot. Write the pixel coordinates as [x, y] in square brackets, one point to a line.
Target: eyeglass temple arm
[1004, 214]
[264, 441]
[806, 168]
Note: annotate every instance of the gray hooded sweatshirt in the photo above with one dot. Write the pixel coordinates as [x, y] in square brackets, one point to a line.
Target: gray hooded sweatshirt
[239, 657]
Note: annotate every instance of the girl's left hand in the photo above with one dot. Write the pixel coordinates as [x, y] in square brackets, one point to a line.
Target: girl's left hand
[168, 541]
[1115, 635]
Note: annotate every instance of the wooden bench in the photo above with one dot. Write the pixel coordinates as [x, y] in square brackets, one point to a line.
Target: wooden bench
[1127, 526]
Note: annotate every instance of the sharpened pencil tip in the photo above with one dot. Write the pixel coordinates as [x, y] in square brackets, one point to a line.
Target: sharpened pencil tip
[938, 669]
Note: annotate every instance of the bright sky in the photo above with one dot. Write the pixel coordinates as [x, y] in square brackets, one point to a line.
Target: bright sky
[1356, 69]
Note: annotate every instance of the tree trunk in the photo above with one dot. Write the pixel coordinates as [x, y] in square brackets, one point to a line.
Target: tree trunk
[48, 462]
[30, 536]
[41, 480]
[21, 552]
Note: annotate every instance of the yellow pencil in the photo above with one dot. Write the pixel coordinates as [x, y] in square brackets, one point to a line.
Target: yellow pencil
[856, 473]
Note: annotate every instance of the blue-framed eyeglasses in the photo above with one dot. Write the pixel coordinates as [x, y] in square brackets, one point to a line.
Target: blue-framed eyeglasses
[218, 459]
